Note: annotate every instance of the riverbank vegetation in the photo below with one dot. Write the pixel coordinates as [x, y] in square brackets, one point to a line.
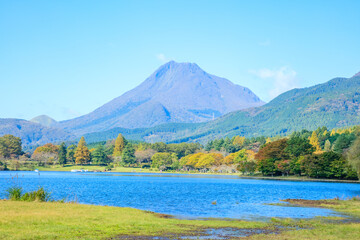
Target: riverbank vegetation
[321, 153]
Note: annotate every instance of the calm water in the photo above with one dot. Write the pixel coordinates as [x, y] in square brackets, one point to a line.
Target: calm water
[185, 196]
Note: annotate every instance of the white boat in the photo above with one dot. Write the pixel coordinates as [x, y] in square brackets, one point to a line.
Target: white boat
[36, 170]
[75, 170]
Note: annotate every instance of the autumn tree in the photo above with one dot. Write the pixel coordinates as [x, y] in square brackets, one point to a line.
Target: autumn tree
[314, 140]
[239, 141]
[46, 154]
[269, 154]
[82, 153]
[119, 145]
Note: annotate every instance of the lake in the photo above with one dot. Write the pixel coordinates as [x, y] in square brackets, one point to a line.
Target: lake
[183, 195]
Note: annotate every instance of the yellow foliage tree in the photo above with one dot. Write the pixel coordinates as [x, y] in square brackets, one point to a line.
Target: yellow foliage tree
[82, 153]
[314, 140]
[333, 132]
[239, 141]
[119, 145]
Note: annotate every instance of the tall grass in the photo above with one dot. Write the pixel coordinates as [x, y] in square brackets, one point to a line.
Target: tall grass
[40, 195]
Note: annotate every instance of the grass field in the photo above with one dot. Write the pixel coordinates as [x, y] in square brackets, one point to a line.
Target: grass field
[52, 220]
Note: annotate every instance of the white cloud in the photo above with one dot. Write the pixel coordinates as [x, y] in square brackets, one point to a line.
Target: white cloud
[282, 79]
[163, 58]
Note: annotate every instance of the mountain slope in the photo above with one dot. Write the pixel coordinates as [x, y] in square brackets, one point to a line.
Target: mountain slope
[32, 133]
[176, 92]
[335, 103]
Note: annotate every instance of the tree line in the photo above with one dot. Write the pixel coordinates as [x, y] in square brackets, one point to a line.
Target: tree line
[317, 154]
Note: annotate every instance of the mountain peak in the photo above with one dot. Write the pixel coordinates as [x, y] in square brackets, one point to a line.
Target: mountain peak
[44, 120]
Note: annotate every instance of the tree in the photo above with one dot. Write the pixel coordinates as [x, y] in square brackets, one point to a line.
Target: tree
[343, 142]
[82, 153]
[239, 141]
[46, 154]
[298, 146]
[314, 140]
[99, 156]
[269, 154]
[70, 155]
[10, 146]
[327, 146]
[353, 156]
[62, 154]
[128, 154]
[163, 161]
[119, 145]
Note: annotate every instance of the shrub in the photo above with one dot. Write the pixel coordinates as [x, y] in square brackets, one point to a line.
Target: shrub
[39, 195]
[14, 193]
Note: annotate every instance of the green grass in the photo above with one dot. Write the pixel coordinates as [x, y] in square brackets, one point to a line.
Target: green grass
[50, 220]
[53, 220]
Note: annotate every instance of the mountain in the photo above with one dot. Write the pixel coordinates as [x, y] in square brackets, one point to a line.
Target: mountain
[44, 120]
[176, 92]
[32, 133]
[333, 104]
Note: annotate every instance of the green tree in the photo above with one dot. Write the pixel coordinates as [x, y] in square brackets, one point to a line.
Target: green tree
[70, 155]
[10, 146]
[353, 156]
[62, 154]
[343, 142]
[99, 156]
[128, 154]
[82, 153]
[299, 146]
[163, 161]
[119, 145]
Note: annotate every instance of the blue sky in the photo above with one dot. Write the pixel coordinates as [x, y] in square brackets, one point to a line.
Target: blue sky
[66, 58]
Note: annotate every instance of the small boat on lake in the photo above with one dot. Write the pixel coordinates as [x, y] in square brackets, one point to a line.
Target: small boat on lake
[36, 170]
[75, 170]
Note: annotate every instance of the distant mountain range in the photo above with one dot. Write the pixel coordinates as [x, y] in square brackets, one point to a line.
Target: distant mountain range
[178, 102]
[176, 92]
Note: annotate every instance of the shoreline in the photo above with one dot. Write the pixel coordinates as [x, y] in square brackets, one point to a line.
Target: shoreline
[136, 170]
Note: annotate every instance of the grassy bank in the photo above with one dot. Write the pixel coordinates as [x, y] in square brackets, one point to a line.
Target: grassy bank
[50, 220]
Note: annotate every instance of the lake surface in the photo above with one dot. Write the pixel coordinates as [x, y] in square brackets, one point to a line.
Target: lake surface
[183, 195]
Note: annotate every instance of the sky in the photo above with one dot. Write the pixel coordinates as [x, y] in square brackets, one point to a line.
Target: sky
[67, 58]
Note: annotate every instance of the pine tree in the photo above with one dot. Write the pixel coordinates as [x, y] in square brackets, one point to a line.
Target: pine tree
[314, 140]
[128, 154]
[82, 153]
[99, 155]
[62, 154]
[119, 146]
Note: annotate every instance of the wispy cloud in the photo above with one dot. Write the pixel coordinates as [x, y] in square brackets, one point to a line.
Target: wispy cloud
[282, 79]
[162, 57]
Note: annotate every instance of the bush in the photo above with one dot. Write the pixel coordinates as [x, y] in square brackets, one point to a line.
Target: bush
[14, 193]
[39, 195]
